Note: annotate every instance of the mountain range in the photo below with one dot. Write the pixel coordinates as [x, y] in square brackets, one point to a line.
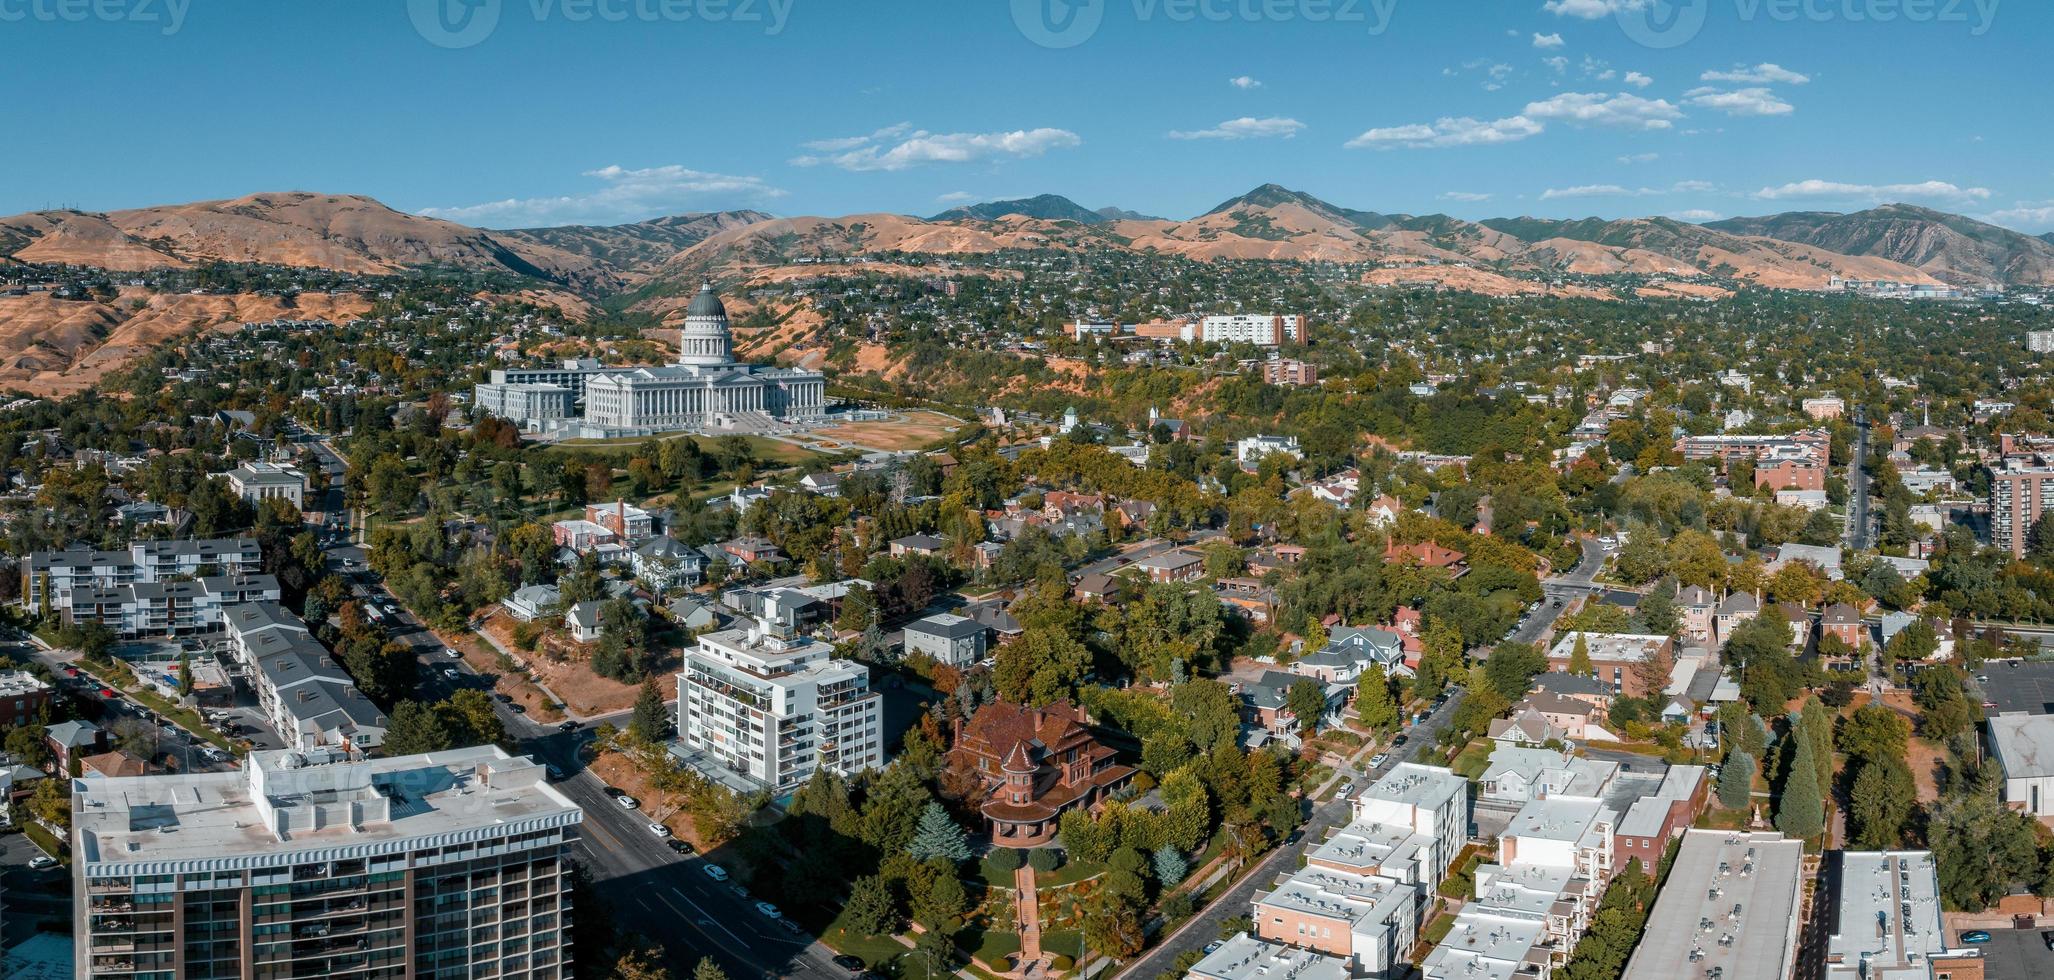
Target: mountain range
[666, 256]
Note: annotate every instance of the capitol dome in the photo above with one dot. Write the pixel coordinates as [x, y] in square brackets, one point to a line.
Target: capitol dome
[705, 341]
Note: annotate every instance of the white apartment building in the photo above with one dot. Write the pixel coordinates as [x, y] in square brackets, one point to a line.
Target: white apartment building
[259, 482]
[770, 707]
[1251, 450]
[1887, 921]
[448, 865]
[1362, 892]
[1531, 907]
[540, 401]
[179, 608]
[49, 577]
[1263, 330]
[312, 702]
[2040, 341]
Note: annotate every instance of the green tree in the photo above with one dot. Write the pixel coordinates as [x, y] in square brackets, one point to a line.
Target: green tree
[1880, 804]
[1579, 657]
[708, 970]
[468, 718]
[1800, 810]
[650, 720]
[1308, 703]
[941, 905]
[1374, 704]
[414, 728]
[872, 910]
[1170, 866]
[185, 674]
[938, 837]
[1736, 780]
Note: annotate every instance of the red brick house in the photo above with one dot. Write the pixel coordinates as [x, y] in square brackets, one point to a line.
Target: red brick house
[1032, 764]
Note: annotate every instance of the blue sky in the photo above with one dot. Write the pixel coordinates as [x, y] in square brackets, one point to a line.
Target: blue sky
[1561, 108]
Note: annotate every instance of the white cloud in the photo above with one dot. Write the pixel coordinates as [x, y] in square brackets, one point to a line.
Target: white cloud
[846, 143]
[1465, 196]
[1558, 63]
[1607, 110]
[1245, 82]
[1763, 74]
[1545, 41]
[1615, 190]
[956, 197]
[1697, 214]
[878, 152]
[1447, 131]
[1631, 158]
[1740, 102]
[1244, 128]
[2026, 218]
[623, 196]
[1931, 190]
[1591, 9]
[1638, 80]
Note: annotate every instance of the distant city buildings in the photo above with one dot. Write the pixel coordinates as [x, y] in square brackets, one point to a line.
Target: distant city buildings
[1262, 330]
[2040, 341]
[103, 582]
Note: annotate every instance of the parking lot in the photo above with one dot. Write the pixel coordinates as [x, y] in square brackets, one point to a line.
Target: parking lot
[2016, 954]
[2015, 685]
[33, 896]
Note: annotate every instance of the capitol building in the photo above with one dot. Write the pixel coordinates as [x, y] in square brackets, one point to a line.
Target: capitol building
[706, 389]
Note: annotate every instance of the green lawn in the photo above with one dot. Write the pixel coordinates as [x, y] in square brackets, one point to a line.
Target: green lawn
[1475, 758]
[44, 839]
[770, 449]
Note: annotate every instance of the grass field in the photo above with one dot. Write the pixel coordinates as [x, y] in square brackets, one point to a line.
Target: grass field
[916, 430]
[770, 449]
[1473, 761]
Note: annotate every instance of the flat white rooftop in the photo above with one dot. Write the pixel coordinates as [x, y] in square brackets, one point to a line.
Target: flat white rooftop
[1416, 785]
[1731, 902]
[1887, 925]
[1245, 957]
[284, 804]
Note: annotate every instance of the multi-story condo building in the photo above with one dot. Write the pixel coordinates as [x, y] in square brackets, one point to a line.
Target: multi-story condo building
[770, 706]
[49, 577]
[2021, 490]
[1261, 329]
[177, 608]
[1531, 907]
[258, 482]
[1362, 893]
[449, 865]
[307, 696]
[1887, 920]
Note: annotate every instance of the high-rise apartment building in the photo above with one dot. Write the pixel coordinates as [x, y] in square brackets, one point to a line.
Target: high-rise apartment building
[448, 865]
[770, 706]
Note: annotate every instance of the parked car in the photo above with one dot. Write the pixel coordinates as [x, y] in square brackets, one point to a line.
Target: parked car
[740, 892]
[41, 862]
[502, 697]
[555, 771]
[769, 910]
[1379, 759]
[681, 846]
[1975, 936]
[450, 673]
[715, 872]
[792, 926]
[627, 802]
[569, 726]
[1213, 947]
[2048, 938]
[853, 964]
[659, 829]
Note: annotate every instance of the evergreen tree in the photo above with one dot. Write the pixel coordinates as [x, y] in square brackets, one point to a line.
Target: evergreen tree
[938, 836]
[1880, 803]
[185, 675]
[415, 728]
[708, 970]
[1800, 811]
[872, 911]
[650, 719]
[941, 905]
[1736, 780]
[1170, 866]
[1579, 658]
[1817, 722]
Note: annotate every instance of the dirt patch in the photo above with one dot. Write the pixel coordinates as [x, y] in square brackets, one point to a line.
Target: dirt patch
[485, 660]
[668, 809]
[917, 429]
[1469, 280]
[565, 667]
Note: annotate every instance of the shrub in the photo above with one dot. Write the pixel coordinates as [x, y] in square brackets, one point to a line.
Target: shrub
[1003, 859]
[1044, 859]
[1058, 963]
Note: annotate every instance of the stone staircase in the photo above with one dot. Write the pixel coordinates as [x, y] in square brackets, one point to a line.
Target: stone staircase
[1027, 912]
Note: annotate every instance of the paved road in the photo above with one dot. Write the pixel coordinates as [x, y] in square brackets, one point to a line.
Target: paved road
[1205, 926]
[1858, 487]
[1557, 593]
